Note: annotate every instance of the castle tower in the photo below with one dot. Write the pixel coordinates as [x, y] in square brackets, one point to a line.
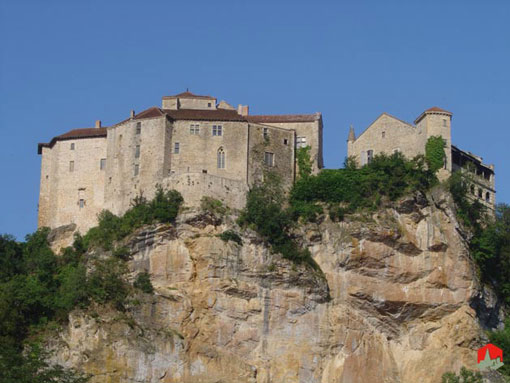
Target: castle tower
[437, 122]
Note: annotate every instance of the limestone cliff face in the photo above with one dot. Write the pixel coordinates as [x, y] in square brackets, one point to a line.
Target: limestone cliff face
[393, 305]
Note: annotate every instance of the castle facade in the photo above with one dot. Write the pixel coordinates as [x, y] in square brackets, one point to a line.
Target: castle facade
[191, 143]
[388, 134]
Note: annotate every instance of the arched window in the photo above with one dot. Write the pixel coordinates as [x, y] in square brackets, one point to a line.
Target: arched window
[488, 197]
[220, 156]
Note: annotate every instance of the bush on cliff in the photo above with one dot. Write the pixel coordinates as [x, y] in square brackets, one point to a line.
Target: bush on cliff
[384, 178]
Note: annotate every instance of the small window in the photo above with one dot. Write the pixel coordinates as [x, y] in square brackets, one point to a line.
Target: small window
[285, 141]
[109, 180]
[137, 169]
[269, 159]
[220, 158]
[370, 156]
[445, 124]
[217, 130]
[488, 197]
[266, 133]
[138, 127]
[194, 129]
[71, 166]
[208, 104]
[383, 134]
[480, 193]
[72, 146]
[137, 151]
[300, 142]
[82, 203]
[102, 163]
[177, 148]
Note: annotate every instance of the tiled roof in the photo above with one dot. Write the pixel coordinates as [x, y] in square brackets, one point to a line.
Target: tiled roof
[73, 134]
[437, 109]
[276, 118]
[150, 113]
[188, 94]
[206, 115]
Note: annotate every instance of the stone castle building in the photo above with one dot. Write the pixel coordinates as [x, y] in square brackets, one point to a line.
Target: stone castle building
[388, 134]
[192, 144]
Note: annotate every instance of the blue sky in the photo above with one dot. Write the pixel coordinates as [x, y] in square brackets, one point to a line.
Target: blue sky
[65, 64]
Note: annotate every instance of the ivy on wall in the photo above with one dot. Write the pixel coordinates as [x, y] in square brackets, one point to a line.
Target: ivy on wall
[434, 153]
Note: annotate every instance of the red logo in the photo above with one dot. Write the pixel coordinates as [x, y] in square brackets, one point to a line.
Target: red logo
[490, 357]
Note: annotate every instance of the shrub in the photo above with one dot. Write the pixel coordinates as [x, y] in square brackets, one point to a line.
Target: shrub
[231, 235]
[386, 177]
[309, 211]
[304, 162]
[106, 283]
[143, 282]
[465, 376]
[212, 205]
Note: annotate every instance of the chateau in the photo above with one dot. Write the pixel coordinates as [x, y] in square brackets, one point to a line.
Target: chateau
[191, 143]
[388, 134]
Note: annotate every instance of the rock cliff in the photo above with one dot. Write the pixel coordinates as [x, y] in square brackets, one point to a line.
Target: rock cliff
[392, 304]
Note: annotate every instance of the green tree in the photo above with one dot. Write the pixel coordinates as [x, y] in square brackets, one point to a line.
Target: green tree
[465, 376]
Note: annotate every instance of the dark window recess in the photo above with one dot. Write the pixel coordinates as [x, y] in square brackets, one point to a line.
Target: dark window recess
[370, 156]
[177, 148]
[137, 169]
[217, 130]
[138, 127]
[71, 166]
[102, 163]
[81, 203]
[383, 134]
[72, 146]
[488, 197]
[269, 159]
[285, 141]
[266, 133]
[137, 151]
[480, 193]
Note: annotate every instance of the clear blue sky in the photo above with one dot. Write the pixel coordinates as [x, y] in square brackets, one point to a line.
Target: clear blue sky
[65, 64]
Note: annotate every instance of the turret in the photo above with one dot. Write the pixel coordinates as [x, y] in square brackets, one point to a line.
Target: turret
[350, 140]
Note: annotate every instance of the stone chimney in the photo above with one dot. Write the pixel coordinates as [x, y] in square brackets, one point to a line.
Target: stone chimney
[132, 114]
[352, 135]
[243, 110]
[98, 124]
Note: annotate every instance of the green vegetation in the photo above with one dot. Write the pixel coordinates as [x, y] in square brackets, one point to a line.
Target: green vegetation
[502, 340]
[231, 235]
[265, 212]
[434, 153]
[304, 162]
[143, 282]
[213, 206]
[37, 288]
[163, 208]
[465, 376]
[386, 178]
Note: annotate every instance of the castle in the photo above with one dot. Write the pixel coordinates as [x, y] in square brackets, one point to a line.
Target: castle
[388, 134]
[203, 148]
[191, 143]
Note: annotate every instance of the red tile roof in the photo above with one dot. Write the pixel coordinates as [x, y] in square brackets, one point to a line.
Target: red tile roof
[437, 109]
[276, 118]
[73, 134]
[206, 115]
[188, 94]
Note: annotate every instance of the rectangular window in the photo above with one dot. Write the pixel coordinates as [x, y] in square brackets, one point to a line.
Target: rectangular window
[137, 151]
[370, 156]
[301, 142]
[177, 148]
[71, 166]
[383, 134]
[138, 127]
[285, 141]
[137, 169]
[194, 129]
[269, 159]
[72, 146]
[82, 203]
[102, 163]
[217, 130]
[444, 123]
[266, 133]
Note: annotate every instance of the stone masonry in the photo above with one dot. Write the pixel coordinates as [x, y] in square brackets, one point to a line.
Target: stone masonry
[192, 144]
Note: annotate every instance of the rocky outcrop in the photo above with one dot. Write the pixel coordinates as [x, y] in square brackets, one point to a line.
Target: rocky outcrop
[392, 304]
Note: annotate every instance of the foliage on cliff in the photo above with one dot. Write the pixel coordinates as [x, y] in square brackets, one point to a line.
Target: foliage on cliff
[384, 178]
[304, 162]
[38, 288]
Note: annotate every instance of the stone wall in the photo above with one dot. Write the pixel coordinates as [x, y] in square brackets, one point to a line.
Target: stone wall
[63, 185]
[193, 186]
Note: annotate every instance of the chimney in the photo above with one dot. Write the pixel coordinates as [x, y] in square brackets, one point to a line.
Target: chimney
[243, 110]
[352, 135]
[132, 115]
[98, 124]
